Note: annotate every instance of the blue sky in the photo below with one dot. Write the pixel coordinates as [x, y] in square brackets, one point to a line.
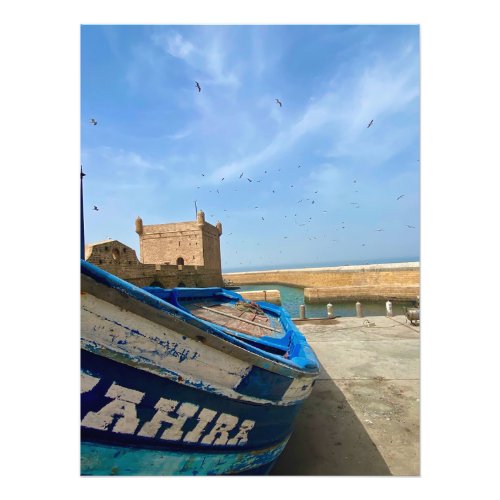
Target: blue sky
[160, 145]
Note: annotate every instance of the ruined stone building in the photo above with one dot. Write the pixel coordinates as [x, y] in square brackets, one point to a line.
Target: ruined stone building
[171, 255]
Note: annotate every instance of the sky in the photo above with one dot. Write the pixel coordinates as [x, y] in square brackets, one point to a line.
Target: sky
[307, 182]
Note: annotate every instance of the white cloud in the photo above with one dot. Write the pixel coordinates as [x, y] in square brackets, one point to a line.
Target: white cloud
[207, 57]
[181, 134]
[177, 46]
[379, 91]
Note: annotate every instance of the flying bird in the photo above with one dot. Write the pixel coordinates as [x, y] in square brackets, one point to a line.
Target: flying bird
[241, 175]
[399, 197]
[411, 227]
[278, 101]
[300, 166]
[222, 179]
[249, 180]
[93, 122]
[370, 124]
[198, 86]
[95, 208]
[378, 229]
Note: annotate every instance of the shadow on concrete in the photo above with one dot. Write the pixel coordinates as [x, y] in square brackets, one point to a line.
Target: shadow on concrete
[329, 439]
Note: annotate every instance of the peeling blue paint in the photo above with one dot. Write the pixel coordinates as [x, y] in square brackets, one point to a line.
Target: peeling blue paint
[106, 460]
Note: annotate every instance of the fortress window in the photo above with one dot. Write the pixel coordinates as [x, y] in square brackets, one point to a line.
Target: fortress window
[180, 261]
[100, 261]
[115, 253]
[124, 250]
[106, 249]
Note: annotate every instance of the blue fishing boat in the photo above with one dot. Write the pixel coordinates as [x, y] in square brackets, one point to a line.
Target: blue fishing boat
[186, 381]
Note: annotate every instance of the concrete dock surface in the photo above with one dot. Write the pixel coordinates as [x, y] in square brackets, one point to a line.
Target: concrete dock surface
[363, 415]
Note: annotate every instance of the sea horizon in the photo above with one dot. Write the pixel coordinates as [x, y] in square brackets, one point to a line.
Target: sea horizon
[302, 265]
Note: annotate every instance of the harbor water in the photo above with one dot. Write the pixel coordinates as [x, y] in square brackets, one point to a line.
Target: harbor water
[293, 297]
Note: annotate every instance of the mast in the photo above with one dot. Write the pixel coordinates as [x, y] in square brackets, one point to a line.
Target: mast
[82, 227]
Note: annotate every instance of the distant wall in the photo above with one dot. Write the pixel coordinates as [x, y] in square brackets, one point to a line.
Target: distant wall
[272, 296]
[375, 281]
[120, 260]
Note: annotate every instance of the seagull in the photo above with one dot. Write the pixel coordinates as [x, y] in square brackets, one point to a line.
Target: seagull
[278, 101]
[203, 175]
[241, 175]
[378, 229]
[262, 218]
[370, 124]
[222, 179]
[399, 197]
[249, 180]
[93, 122]
[411, 227]
[300, 166]
[198, 86]
[95, 208]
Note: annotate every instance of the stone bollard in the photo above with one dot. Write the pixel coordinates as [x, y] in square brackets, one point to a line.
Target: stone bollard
[388, 306]
[329, 310]
[359, 310]
[302, 308]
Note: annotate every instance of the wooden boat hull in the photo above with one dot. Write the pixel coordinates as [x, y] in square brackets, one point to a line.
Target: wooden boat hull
[163, 392]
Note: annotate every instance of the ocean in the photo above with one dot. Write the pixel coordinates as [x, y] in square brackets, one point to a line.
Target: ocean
[391, 260]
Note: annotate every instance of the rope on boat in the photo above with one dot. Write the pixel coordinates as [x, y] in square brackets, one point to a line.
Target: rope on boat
[241, 319]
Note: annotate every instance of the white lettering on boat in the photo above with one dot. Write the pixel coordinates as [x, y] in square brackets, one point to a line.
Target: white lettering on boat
[120, 416]
[123, 406]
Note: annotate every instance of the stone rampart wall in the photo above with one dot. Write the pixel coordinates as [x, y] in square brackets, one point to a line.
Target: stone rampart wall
[375, 281]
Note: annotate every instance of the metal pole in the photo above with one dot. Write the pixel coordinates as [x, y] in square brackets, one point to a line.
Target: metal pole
[82, 225]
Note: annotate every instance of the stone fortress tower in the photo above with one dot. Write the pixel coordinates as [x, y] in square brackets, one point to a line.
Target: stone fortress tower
[181, 243]
[171, 255]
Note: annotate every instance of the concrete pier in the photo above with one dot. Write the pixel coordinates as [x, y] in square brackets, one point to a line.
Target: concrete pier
[363, 416]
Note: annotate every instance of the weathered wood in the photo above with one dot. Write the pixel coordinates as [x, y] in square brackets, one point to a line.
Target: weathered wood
[240, 319]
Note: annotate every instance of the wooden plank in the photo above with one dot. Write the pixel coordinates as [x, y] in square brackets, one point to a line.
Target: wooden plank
[241, 319]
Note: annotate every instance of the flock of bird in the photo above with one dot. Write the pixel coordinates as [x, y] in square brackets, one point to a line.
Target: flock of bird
[304, 221]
